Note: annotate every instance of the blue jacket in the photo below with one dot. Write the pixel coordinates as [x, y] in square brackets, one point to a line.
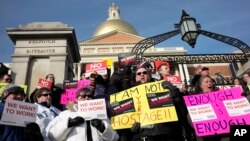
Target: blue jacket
[10, 133]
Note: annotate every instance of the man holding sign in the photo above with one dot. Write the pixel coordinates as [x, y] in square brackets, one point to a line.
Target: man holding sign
[10, 104]
[153, 103]
[73, 124]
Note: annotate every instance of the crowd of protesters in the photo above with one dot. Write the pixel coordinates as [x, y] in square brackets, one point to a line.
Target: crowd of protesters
[55, 122]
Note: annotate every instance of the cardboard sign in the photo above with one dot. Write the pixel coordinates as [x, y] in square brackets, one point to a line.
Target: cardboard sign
[18, 113]
[91, 109]
[214, 112]
[44, 83]
[147, 104]
[99, 67]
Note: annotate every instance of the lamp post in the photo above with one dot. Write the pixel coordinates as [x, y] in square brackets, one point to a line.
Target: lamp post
[190, 32]
[189, 29]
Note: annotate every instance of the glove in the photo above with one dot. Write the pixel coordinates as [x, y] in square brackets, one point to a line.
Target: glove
[97, 123]
[168, 85]
[75, 121]
[173, 89]
[136, 127]
[32, 132]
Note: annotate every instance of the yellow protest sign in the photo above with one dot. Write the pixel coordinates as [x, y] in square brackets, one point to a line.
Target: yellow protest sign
[147, 104]
[109, 62]
[2, 86]
[24, 88]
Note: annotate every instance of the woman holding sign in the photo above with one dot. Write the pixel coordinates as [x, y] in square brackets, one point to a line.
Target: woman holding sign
[70, 126]
[205, 85]
[16, 133]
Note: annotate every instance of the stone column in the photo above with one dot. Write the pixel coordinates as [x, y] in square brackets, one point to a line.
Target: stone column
[186, 73]
[19, 68]
[42, 48]
[181, 72]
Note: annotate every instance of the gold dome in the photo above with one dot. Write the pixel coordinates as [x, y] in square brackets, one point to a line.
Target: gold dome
[114, 22]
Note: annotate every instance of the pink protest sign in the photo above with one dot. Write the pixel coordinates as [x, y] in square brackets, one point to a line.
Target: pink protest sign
[68, 95]
[83, 83]
[214, 112]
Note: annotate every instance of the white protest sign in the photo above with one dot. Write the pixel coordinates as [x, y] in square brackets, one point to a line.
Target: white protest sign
[18, 113]
[237, 107]
[91, 109]
[201, 112]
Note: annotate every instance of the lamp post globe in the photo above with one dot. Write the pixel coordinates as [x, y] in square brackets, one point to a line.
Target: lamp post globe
[189, 30]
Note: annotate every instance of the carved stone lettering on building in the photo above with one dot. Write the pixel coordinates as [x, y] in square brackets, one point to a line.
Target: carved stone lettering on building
[41, 41]
[205, 58]
[40, 51]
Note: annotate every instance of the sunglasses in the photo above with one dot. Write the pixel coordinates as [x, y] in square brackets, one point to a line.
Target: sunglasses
[46, 94]
[144, 72]
[86, 95]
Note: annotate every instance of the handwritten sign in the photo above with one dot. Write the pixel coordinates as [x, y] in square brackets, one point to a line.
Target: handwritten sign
[44, 83]
[147, 104]
[68, 95]
[83, 83]
[70, 91]
[91, 109]
[224, 87]
[214, 112]
[18, 113]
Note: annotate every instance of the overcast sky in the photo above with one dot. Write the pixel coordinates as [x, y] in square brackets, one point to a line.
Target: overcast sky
[148, 17]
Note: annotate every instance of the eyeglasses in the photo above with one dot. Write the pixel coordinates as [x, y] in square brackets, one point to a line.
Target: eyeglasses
[48, 94]
[144, 72]
[86, 95]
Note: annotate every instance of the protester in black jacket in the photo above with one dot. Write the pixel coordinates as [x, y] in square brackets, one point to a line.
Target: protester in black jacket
[169, 131]
[31, 132]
